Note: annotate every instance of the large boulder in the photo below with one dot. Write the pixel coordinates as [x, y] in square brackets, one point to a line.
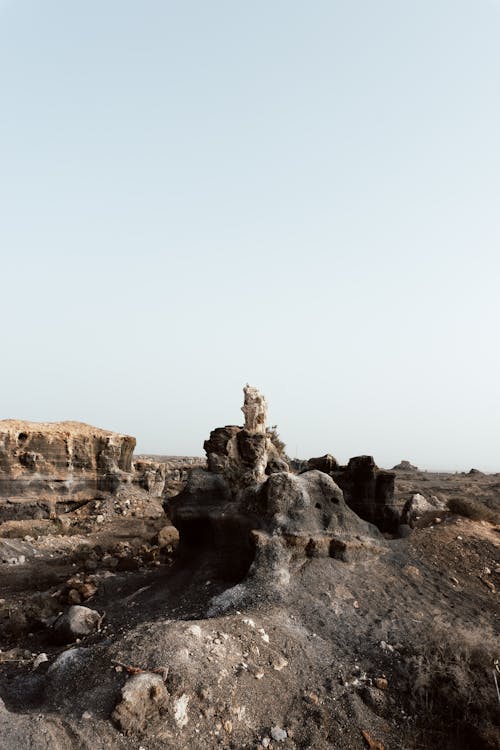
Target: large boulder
[326, 463]
[418, 506]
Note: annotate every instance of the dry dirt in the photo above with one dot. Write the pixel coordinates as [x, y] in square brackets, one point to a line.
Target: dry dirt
[395, 651]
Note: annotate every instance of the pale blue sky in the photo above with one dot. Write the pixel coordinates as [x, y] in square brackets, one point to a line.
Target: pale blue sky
[302, 195]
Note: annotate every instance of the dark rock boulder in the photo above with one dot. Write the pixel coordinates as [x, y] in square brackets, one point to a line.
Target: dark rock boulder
[369, 491]
[326, 463]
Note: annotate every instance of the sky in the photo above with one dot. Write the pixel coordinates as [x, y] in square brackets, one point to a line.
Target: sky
[302, 195]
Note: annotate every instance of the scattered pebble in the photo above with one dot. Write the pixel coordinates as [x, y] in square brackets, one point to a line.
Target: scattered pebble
[278, 734]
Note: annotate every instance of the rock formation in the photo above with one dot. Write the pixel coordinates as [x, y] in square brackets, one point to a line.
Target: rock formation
[245, 455]
[404, 466]
[256, 516]
[45, 467]
[368, 490]
[255, 410]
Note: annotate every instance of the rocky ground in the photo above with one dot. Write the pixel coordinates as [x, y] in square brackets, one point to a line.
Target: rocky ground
[394, 650]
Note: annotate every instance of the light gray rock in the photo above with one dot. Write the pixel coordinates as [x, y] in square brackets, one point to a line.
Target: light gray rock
[278, 734]
[144, 698]
[168, 536]
[255, 410]
[77, 622]
[417, 505]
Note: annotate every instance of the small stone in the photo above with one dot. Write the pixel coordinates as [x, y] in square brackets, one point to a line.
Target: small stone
[77, 621]
[99, 518]
[86, 715]
[40, 659]
[279, 663]
[312, 698]
[74, 597]
[264, 635]
[278, 734]
[386, 646]
[381, 683]
[168, 536]
[144, 699]
[87, 590]
[259, 675]
[454, 580]
[228, 726]
[412, 571]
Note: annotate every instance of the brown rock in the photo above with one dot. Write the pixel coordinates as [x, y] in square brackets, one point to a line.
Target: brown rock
[168, 536]
[371, 742]
[144, 699]
[74, 597]
[87, 590]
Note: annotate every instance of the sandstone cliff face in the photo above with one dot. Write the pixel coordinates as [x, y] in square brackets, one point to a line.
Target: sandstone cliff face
[62, 457]
[44, 466]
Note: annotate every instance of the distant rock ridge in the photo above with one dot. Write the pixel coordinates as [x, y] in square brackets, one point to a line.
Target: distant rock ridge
[405, 466]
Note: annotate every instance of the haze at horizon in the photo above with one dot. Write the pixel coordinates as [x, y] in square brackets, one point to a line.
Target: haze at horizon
[300, 196]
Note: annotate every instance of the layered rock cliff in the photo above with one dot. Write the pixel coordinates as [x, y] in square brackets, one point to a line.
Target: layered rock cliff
[48, 466]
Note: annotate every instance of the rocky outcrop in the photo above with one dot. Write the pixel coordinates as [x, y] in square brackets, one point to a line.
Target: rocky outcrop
[255, 410]
[242, 456]
[369, 491]
[151, 476]
[326, 463]
[46, 460]
[50, 468]
[256, 516]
